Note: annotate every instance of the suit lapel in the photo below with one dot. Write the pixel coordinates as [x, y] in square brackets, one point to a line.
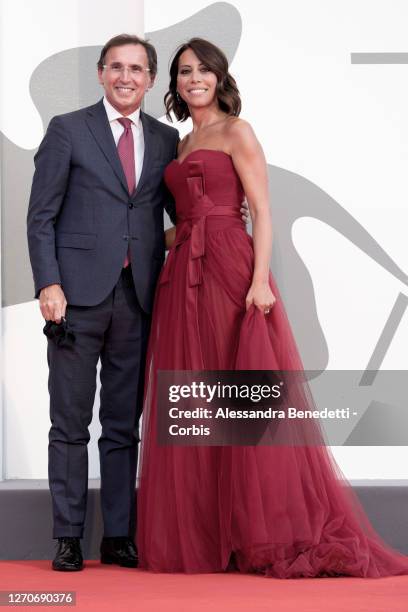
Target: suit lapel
[98, 123]
[148, 136]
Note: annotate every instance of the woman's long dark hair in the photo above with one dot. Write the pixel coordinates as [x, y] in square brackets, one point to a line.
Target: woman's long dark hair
[214, 59]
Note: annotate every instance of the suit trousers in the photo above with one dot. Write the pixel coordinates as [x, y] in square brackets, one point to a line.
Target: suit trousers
[116, 332]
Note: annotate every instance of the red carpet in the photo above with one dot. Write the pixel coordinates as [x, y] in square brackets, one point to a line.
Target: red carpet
[102, 587]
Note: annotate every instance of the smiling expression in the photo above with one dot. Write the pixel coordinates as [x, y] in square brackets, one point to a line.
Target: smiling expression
[125, 89]
[196, 84]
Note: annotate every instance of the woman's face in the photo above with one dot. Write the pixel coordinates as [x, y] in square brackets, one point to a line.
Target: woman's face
[196, 84]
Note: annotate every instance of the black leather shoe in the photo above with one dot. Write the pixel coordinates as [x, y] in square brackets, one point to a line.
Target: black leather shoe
[69, 556]
[119, 551]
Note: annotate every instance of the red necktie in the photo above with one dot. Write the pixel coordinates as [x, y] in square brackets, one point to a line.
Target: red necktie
[126, 152]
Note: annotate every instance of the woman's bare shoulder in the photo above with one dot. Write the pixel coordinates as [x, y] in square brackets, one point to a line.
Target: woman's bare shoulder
[238, 127]
[239, 132]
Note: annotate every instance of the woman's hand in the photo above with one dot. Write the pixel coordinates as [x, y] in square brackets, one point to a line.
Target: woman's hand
[169, 237]
[261, 296]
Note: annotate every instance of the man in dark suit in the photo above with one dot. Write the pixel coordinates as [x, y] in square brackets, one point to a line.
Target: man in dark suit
[96, 242]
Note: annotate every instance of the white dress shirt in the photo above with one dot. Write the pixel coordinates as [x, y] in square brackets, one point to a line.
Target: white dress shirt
[137, 131]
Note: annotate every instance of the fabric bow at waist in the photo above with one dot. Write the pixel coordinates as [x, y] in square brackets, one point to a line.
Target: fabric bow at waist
[193, 228]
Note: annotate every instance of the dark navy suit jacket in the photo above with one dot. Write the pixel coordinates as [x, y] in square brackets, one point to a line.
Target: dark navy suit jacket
[81, 218]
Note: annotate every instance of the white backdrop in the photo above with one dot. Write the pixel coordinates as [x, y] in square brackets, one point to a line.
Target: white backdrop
[340, 125]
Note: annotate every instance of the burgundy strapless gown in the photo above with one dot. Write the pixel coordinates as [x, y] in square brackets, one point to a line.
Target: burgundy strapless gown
[282, 511]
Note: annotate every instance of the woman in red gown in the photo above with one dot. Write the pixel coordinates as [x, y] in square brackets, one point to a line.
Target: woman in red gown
[283, 511]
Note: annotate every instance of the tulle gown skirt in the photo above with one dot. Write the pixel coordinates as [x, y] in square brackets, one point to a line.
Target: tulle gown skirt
[284, 511]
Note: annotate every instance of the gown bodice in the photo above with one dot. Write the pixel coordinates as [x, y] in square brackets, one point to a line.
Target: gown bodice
[205, 178]
[208, 194]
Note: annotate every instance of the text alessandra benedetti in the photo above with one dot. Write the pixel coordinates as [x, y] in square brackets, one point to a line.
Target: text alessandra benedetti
[268, 413]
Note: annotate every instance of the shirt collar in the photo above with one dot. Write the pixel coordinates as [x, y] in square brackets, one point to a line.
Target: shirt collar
[113, 114]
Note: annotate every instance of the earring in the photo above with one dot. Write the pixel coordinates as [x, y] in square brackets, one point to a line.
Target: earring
[178, 97]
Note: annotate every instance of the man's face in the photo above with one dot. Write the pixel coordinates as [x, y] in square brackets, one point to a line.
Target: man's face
[126, 77]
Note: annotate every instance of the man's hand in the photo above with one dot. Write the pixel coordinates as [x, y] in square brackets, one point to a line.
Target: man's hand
[53, 303]
[245, 211]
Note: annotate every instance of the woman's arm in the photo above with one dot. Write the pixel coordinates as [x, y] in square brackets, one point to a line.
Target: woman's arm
[249, 161]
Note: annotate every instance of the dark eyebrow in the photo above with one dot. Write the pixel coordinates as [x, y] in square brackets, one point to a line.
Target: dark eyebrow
[189, 66]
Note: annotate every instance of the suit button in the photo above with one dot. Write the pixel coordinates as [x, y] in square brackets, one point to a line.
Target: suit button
[131, 205]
